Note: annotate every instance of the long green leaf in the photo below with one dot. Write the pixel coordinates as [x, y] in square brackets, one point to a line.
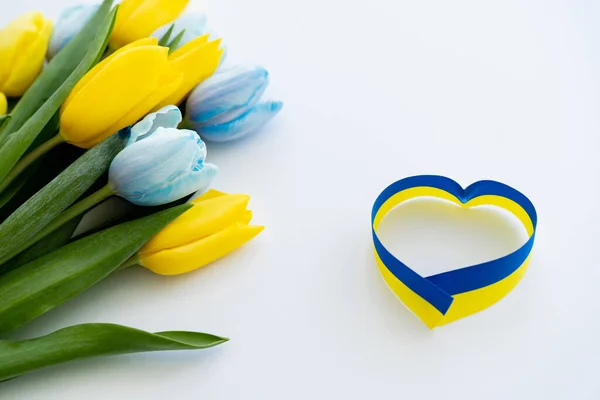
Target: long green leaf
[18, 143]
[32, 171]
[4, 119]
[46, 282]
[64, 234]
[59, 238]
[57, 196]
[46, 169]
[14, 188]
[58, 70]
[47, 132]
[92, 340]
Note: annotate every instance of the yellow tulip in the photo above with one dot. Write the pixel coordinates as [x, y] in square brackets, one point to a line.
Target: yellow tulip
[118, 92]
[3, 105]
[196, 61]
[137, 19]
[216, 225]
[23, 45]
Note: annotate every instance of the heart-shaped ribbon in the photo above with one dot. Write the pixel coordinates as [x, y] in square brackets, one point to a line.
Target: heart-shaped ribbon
[443, 298]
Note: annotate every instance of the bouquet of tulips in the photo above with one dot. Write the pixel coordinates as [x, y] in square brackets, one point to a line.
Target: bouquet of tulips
[92, 108]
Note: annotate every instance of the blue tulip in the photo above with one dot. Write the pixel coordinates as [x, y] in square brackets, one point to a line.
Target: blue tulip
[166, 117]
[161, 164]
[71, 21]
[226, 105]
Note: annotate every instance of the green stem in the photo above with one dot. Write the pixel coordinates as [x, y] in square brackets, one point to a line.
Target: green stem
[67, 215]
[30, 159]
[75, 210]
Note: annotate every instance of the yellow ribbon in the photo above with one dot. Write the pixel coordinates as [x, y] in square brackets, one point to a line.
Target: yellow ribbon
[443, 298]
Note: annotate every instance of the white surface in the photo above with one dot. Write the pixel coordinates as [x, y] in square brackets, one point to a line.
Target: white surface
[375, 91]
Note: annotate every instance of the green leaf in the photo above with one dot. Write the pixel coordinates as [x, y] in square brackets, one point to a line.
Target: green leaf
[92, 340]
[173, 45]
[163, 41]
[44, 283]
[58, 70]
[64, 234]
[17, 185]
[59, 238]
[57, 196]
[4, 120]
[18, 142]
[49, 168]
[135, 212]
[48, 132]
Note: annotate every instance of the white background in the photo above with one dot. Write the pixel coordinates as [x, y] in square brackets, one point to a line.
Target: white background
[375, 91]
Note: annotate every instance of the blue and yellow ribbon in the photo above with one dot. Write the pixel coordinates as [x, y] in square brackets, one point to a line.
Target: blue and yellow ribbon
[442, 298]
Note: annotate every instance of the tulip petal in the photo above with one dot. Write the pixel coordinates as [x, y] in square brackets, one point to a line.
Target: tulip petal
[196, 60]
[164, 167]
[102, 64]
[13, 38]
[70, 23]
[202, 252]
[126, 9]
[166, 117]
[137, 19]
[22, 43]
[227, 94]
[204, 219]
[112, 93]
[3, 105]
[189, 47]
[247, 123]
[170, 81]
[197, 180]
[154, 162]
[210, 194]
[246, 217]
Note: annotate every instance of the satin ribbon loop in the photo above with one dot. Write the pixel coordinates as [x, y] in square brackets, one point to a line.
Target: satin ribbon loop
[442, 298]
